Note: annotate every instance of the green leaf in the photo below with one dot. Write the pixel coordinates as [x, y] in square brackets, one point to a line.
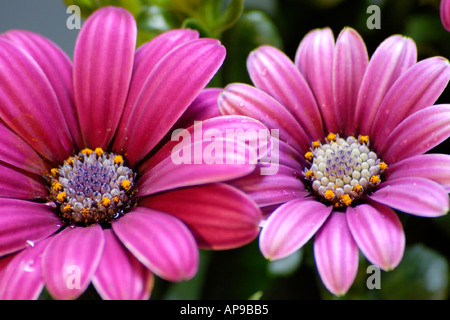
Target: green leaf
[152, 21]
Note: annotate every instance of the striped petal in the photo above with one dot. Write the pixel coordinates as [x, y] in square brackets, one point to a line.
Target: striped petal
[160, 241]
[180, 75]
[419, 87]
[435, 167]
[57, 66]
[314, 59]
[29, 105]
[22, 223]
[273, 72]
[219, 216]
[417, 134]
[71, 259]
[418, 196]
[445, 14]
[21, 185]
[290, 226]
[120, 276]
[379, 234]
[103, 64]
[350, 62]
[389, 61]
[22, 279]
[336, 254]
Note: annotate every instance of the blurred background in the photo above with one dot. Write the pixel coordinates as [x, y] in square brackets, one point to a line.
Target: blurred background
[242, 26]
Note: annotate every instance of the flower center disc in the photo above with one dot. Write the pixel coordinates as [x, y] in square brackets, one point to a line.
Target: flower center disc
[92, 187]
[343, 170]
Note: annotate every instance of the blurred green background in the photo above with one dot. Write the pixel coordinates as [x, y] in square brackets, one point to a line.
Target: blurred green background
[242, 26]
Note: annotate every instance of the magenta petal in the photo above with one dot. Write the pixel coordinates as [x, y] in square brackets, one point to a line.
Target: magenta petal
[120, 276]
[22, 223]
[267, 190]
[435, 167]
[242, 99]
[379, 234]
[273, 72]
[291, 226]
[417, 134]
[71, 259]
[419, 87]
[392, 57]
[336, 254]
[168, 91]
[57, 66]
[220, 216]
[16, 152]
[314, 59]
[103, 64]
[160, 241]
[350, 62]
[22, 278]
[418, 196]
[30, 106]
[21, 185]
[445, 14]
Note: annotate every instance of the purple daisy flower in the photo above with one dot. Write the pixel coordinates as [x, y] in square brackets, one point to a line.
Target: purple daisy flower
[445, 14]
[352, 138]
[88, 191]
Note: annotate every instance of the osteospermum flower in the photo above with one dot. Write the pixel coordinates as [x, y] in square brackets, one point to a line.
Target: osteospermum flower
[88, 189]
[353, 134]
[445, 14]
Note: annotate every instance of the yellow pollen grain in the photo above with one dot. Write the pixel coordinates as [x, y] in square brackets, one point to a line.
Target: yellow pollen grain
[374, 179]
[54, 172]
[331, 137]
[118, 159]
[99, 151]
[106, 202]
[357, 188]
[67, 208]
[329, 194]
[87, 151]
[116, 199]
[69, 160]
[363, 139]
[57, 186]
[316, 144]
[126, 184]
[383, 166]
[85, 211]
[309, 174]
[345, 199]
[309, 156]
[338, 205]
[61, 196]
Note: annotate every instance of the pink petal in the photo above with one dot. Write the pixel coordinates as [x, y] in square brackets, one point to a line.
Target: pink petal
[273, 72]
[146, 58]
[71, 259]
[57, 66]
[219, 216]
[379, 234]
[16, 152]
[435, 167]
[160, 241]
[22, 223]
[445, 14]
[350, 62]
[120, 276]
[336, 254]
[242, 99]
[267, 190]
[180, 75]
[314, 59]
[419, 87]
[418, 196]
[103, 64]
[389, 61]
[22, 279]
[32, 111]
[20, 184]
[417, 134]
[291, 226]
